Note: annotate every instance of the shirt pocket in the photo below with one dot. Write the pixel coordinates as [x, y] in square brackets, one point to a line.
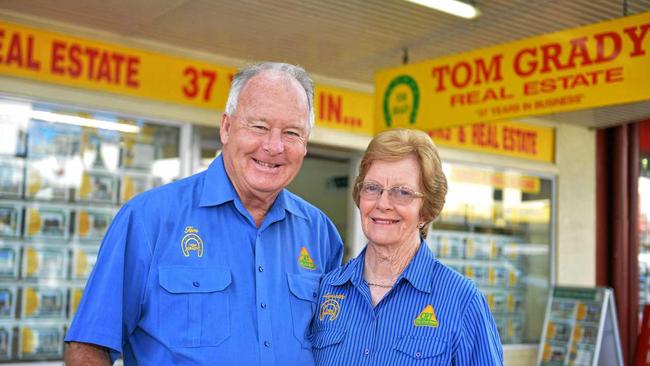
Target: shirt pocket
[194, 309]
[423, 350]
[304, 292]
[322, 340]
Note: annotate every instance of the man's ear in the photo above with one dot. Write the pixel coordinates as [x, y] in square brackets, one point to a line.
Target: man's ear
[224, 130]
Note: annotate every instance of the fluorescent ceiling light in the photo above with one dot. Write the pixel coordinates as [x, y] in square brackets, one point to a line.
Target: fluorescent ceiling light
[84, 122]
[453, 7]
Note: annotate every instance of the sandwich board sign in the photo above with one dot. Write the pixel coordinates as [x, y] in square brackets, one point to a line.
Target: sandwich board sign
[580, 328]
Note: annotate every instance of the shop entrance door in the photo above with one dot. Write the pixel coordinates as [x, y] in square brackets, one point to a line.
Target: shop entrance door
[324, 181]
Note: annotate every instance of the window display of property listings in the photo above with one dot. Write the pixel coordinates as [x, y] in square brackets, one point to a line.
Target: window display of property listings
[64, 173]
[496, 230]
[580, 329]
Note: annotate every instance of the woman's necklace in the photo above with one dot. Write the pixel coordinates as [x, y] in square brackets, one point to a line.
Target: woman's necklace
[400, 269]
[378, 285]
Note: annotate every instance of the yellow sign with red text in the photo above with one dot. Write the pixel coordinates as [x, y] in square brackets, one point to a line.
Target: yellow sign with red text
[503, 138]
[344, 110]
[56, 58]
[51, 57]
[597, 65]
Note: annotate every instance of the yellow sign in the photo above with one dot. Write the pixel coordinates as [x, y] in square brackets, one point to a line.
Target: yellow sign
[592, 66]
[57, 58]
[503, 138]
[344, 110]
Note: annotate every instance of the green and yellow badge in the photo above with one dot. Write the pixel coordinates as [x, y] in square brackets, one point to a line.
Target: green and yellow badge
[427, 318]
[305, 260]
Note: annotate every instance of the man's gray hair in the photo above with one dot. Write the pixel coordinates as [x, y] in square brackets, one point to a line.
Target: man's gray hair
[296, 72]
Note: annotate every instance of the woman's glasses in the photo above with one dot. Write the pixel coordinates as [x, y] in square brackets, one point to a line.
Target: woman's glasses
[400, 195]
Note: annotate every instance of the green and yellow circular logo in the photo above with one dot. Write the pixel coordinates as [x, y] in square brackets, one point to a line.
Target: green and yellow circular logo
[401, 102]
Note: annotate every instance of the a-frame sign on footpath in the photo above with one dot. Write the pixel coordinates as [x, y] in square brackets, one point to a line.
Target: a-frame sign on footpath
[580, 328]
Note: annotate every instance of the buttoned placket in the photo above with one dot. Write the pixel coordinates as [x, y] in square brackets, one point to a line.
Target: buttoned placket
[267, 351]
[370, 343]
[369, 348]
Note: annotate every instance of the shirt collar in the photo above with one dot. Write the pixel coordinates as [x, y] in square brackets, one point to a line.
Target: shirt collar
[419, 273]
[218, 189]
[284, 202]
[352, 271]
[289, 202]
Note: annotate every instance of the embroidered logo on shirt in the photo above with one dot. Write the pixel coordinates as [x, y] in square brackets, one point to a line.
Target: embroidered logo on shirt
[192, 242]
[427, 318]
[305, 259]
[330, 307]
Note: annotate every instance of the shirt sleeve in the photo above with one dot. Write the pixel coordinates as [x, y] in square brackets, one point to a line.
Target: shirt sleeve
[334, 245]
[479, 341]
[110, 305]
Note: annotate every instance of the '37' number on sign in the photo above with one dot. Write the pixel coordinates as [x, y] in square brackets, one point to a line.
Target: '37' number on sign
[198, 82]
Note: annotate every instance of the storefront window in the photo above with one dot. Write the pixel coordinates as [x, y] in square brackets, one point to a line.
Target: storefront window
[64, 173]
[496, 230]
[205, 146]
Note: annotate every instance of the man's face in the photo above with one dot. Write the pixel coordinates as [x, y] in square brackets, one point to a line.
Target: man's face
[265, 140]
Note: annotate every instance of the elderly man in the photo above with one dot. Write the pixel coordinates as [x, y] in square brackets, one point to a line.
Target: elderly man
[223, 267]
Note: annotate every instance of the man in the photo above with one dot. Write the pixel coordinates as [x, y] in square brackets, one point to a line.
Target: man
[223, 267]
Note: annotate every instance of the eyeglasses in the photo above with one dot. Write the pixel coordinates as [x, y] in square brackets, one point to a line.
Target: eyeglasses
[400, 195]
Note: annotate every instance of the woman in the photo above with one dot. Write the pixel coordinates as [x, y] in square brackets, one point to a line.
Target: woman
[395, 304]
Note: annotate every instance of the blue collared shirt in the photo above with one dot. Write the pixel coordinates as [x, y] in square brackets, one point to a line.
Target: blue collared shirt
[185, 277]
[431, 316]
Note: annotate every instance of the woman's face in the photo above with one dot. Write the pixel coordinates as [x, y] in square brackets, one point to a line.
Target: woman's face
[384, 222]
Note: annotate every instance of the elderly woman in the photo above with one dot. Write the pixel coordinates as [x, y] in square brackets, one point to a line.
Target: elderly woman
[396, 304]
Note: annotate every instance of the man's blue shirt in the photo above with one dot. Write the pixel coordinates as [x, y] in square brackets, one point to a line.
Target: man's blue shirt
[185, 277]
[431, 316]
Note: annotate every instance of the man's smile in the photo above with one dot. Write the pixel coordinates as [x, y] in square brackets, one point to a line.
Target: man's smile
[265, 164]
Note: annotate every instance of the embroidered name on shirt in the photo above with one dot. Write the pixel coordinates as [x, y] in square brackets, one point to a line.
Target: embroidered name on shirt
[305, 260]
[427, 318]
[330, 307]
[192, 242]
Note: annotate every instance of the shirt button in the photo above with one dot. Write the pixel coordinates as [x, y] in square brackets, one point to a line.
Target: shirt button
[263, 305]
[196, 284]
[260, 268]
[313, 294]
[267, 344]
[418, 354]
[366, 351]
